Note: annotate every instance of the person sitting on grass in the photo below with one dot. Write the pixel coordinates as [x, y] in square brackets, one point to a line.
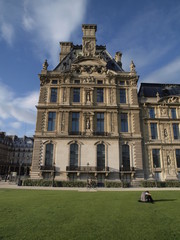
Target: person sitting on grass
[146, 197]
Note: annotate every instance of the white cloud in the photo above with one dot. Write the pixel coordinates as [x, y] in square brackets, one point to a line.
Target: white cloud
[15, 111]
[167, 74]
[16, 125]
[51, 22]
[7, 32]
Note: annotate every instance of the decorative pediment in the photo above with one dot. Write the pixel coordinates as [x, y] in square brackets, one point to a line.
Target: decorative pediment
[92, 61]
[170, 99]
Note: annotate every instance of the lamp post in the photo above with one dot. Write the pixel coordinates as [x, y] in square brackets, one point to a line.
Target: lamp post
[87, 173]
[155, 175]
[122, 176]
[19, 175]
[53, 175]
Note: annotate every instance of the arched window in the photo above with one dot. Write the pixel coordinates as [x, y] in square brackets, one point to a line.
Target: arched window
[100, 157]
[125, 157]
[49, 154]
[73, 156]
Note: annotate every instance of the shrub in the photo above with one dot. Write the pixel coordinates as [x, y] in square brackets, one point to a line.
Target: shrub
[160, 184]
[109, 184]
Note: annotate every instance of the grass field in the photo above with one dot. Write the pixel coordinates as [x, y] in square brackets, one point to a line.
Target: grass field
[38, 214]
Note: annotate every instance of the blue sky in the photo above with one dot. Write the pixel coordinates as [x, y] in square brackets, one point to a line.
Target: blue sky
[30, 31]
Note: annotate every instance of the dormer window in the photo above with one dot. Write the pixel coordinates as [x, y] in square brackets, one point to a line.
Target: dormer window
[77, 81]
[54, 82]
[99, 82]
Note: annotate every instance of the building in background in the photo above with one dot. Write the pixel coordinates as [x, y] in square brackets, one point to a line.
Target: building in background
[160, 119]
[15, 155]
[88, 116]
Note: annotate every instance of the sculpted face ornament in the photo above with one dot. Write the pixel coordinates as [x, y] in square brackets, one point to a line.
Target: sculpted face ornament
[89, 46]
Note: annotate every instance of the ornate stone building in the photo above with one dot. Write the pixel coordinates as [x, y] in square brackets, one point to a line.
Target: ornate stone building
[15, 154]
[89, 122]
[88, 116]
[160, 115]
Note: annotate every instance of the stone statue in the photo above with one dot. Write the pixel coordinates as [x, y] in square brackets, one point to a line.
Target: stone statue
[87, 123]
[45, 65]
[132, 67]
[165, 132]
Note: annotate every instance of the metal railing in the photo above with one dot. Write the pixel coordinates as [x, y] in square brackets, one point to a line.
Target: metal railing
[87, 169]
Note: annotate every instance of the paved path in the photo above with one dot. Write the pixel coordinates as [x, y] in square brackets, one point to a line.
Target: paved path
[7, 185]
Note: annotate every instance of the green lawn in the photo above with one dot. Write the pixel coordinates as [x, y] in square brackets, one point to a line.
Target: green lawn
[38, 214]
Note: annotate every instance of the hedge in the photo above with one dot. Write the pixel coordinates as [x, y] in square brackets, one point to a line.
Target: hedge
[160, 184]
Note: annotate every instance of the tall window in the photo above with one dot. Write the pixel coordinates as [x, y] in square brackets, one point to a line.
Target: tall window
[100, 122]
[53, 95]
[125, 157]
[124, 122]
[178, 157]
[75, 122]
[173, 113]
[154, 131]
[51, 121]
[151, 113]
[100, 95]
[156, 158]
[76, 94]
[122, 95]
[101, 157]
[73, 156]
[49, 154]
[176, 130]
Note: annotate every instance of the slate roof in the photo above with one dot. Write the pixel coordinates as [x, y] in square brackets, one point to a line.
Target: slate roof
[164, 90]
[65, 64]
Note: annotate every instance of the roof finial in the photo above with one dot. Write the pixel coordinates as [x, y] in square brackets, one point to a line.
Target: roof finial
[132, 67]
[45, 65]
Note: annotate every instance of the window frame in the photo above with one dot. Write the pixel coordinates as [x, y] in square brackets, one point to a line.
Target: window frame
[100, 122]
[122, 95]
[177, 157]
[124, 122]
[152, 112]
[76, 95]
[75, 122]
[154, 131]
[101, 156]
[100, 95]
[53, 97]
[51, 121]
[74, 156]
[50, 152]
[156, 158]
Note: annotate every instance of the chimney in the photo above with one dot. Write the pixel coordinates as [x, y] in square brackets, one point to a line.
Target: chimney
[89, 39]
[65, 49]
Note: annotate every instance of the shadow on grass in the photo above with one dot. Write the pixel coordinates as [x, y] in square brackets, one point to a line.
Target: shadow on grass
[159, 200]
[164, 200]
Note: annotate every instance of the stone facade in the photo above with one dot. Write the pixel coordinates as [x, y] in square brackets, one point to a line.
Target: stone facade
[88, 117]
[160, 117]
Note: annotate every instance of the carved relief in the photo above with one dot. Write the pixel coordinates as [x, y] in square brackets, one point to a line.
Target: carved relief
[89, 80]
[64, 95]
[43, 121]
[164, 110]
[172, 100]
[43, 81]
[62, 122]
[112, 95]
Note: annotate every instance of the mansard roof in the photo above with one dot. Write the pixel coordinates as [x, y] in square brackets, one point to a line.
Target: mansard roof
[163, 90]
[76, 53]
